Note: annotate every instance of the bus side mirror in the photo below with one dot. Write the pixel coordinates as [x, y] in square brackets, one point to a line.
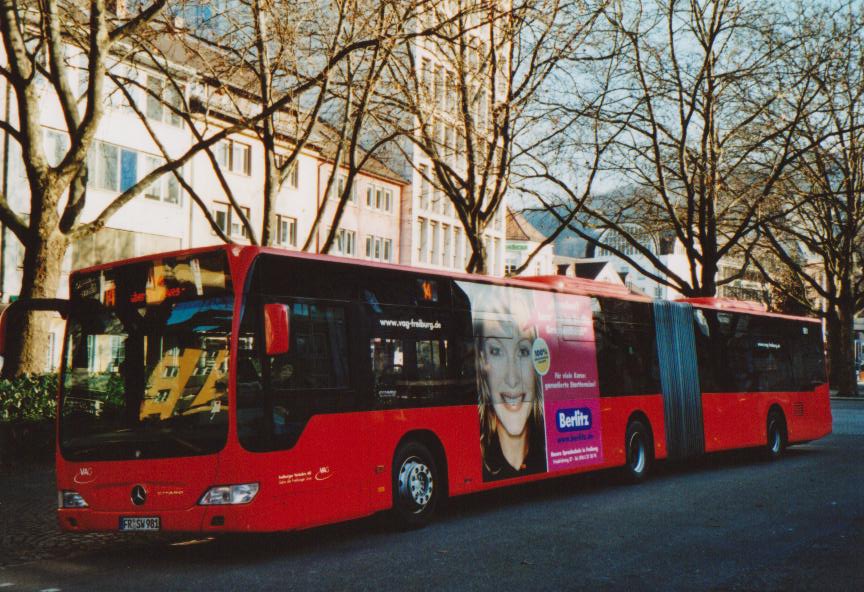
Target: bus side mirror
[277, 329]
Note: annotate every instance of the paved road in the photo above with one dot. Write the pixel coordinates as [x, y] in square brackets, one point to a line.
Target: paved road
[728, 522]
[848, 417]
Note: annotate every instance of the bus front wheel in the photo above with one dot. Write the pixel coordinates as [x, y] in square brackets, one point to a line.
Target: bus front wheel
[638, 448]
[416, 485]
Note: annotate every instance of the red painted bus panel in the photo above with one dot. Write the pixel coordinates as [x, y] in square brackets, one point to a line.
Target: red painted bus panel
[617, 411]
[172, 487]
[739, 420]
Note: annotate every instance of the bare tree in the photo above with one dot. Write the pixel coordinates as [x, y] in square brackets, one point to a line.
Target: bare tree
[45, 44]
[468, 95]
[252, 55]
[703, 114]
[818, 228]
[361, 117]
[35, 37]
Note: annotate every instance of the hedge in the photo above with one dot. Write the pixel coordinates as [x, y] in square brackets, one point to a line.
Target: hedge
[27, 408]
[28, 398]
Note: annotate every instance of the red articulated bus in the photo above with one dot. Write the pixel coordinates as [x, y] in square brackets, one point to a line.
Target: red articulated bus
[255, 389]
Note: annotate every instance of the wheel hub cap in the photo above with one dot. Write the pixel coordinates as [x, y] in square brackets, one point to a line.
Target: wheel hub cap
[415, 482]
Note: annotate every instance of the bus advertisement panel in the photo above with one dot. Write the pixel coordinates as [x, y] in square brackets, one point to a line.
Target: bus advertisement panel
[573, 427]
[536, 379]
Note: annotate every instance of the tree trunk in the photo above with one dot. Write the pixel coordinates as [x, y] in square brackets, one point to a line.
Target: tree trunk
[477, 261]
[27, 339]
[841, 351]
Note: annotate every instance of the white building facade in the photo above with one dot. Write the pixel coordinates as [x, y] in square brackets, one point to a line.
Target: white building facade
[164, 217]
[432, 234]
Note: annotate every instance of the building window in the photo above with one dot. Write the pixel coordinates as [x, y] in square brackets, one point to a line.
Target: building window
[421, 240]
[436, 241]
[378, 248]
[166, 188]
[449, 145]
[286, 231]
[103, 169]
[291, 173]
[445, 254]
[164, 102]
[451, 93]
[220, 216]
[128, 169]
[119, 169]
[229, 222]
[424, 187]
[496, 254]
[426, 78]
[439, 87]
[481, 111]
[340, 187]
[235, 157]
[56, 145]
[237, 226]
[379, 198]
[127, 76]
[346, 242]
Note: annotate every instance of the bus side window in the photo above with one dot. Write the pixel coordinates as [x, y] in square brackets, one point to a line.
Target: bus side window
[318, 354]
[388, 360]
[626, 347]
[706, 334]
[431, 359]
[277, 395]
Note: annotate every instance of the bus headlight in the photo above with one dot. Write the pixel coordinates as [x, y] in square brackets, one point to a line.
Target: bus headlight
[70, 499]
[229, 494]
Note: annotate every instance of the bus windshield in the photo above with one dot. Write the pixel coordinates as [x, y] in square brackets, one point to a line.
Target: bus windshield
[145, 371]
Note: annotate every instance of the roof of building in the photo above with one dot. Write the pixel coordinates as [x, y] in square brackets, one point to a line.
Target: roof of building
[519, 229]
[210, 63]
[589, 270]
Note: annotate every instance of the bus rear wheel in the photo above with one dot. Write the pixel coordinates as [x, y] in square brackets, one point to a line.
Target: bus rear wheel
[638, 448]
[776, 429]
[416, 485]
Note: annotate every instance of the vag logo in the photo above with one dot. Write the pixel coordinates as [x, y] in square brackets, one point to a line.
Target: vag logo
[574, 420]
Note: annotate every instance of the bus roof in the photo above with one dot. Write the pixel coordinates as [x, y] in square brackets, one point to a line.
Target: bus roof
[745, 306]
[554, 283]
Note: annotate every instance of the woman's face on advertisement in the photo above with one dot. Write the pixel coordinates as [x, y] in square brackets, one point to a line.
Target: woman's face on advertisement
[509, 373]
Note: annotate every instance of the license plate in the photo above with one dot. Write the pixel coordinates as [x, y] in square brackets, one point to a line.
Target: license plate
[139, 523]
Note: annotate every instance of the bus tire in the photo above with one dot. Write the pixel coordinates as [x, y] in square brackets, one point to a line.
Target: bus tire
[776, 439]
[638, 447]
[416, 485]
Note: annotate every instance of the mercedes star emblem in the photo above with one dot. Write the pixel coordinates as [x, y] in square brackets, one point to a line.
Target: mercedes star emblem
[139, 495]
